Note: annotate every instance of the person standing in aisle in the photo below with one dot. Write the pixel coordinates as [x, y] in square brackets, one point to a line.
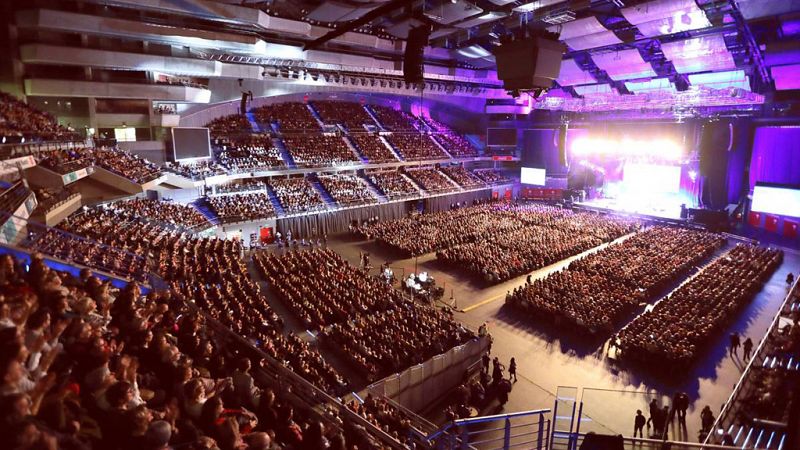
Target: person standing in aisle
[512, 370]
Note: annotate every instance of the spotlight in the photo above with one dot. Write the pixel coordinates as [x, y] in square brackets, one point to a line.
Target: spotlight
[693, 175]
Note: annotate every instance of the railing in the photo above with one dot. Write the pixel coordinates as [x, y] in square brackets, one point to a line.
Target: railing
[629, 443]
[521, 430]
[727, 416]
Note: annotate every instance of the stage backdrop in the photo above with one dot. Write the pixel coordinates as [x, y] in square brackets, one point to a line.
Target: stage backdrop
[776, 156]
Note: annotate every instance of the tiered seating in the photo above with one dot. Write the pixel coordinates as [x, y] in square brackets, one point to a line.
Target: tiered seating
[65, 160]
[241, 186]
[242, 207]
[297, 195]
[319, 150]
[394, 120]
[416, 147]
[490, 176]
[12, 198]
[49, 198]
[350, 114]
[393, 184]
[289, 116]
[250, 153]
[457, 145]
[672, 334]
[197, 170]
[20, 121]
[227, 125]
[594, 293]
[347, 190]
[164, 212]
[171, 378]
[127, 165]
[364, 319]
[372, 148]
[461, 176]
[431, 180]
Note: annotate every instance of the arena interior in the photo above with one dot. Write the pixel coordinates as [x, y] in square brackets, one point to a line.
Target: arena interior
[400, 224]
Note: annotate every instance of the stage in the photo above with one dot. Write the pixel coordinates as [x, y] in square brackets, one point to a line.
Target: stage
[654, 209]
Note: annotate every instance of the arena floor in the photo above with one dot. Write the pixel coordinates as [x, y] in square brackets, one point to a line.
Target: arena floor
[548, 359]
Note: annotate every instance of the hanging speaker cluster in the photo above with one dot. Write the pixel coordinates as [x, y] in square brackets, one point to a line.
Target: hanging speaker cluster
[413, 59]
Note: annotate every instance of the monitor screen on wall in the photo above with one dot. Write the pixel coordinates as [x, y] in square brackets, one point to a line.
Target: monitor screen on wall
[191, 143]
[776, 199]
[501, 137]
[533, 176]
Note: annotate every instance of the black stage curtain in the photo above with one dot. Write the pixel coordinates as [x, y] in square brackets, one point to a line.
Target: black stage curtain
[443, 202]
[338, 221]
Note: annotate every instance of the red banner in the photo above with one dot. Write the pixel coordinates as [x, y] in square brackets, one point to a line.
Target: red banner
[789, 228]
[754, 219]
[771, 224]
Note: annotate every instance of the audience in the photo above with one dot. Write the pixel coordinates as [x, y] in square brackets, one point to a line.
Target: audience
[196, 170]
[229, 125]
[66, 160]
[319, 150]
[245, 185]
[460, 175]
[351, 115]
[12, 197]
[289, 117]
[372, 147]
[393, 119]
[431, 180]
[456, 145]
[365, 320]
[491, 176]
[415, 147]
[347, 190]
[596, 292]
[393, 184]
[165, 212]
[678, 327]
[249, 154]
[21, 122]
[242, 207]
[296, 195]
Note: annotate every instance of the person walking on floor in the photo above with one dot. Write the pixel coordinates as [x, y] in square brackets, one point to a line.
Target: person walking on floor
[512, 370]
[638, 423]
[748, 348]
[735, 343]
[681, 403]
[706, 419]
[485, 359]
[653, 412]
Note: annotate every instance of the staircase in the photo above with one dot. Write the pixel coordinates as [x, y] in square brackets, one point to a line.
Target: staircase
[252, 119]
[274, 127]
[376, 191]
[413, 183]
[202, 205]
[326, 196]
[276, 202]
[452, 181]
[354, 148]
[316, 115]
[394, 151]
[374, 117]
[285, 154]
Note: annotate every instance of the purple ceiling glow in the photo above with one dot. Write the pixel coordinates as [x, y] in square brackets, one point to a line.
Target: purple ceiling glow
[695, 97]
[583, 34]
[702, 54]
[624, 65]
[786, 77]
[571, 74]
[661, 17]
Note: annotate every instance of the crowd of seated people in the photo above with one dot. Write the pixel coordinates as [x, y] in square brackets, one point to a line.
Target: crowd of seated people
[394, 119]
[364, 319]
[88, 367]
[130, 166]
[289, 116]
[491, 176]
[49, 198]
[19, 121]
[165, 212]
[240, 186]
[594, 293]
[678, 327]
[457, 145]
[319, 150]
[462, 176]
[351, 115]
[431, 180]
[228, 125]
[242, 207]
[347, 189]
[372, 148]
[249, 153]
[415, 146]
[384, 415]
[297, 195]
[393, 184]
[195, 170]
[66, 160]
[209, 271]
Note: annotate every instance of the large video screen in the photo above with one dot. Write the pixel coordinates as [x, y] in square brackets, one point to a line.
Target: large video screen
[532, 175]
[652, 178]
[501, 137]
[776, 199]
[191, 143]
